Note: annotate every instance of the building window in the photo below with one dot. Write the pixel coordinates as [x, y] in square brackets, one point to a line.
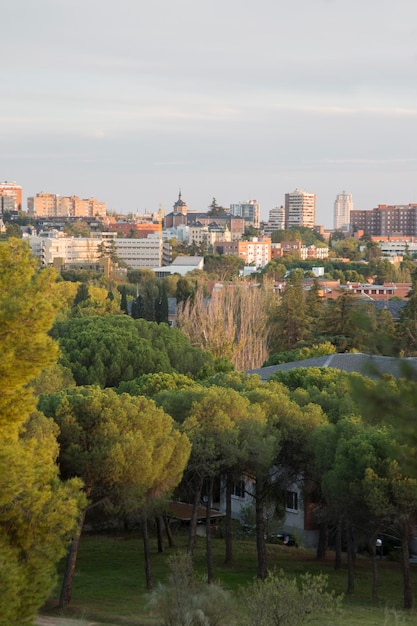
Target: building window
[238, 488]
[291, 501]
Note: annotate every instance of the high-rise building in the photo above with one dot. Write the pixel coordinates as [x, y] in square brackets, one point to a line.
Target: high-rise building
[276, 220]
[250, 211]
[300, 209]
[342, 207]
[10, 197]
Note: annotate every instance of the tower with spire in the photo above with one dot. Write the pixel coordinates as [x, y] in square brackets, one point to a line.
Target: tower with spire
[180, 206]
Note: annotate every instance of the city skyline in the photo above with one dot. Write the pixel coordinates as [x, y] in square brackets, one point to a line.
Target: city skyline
[233, 100]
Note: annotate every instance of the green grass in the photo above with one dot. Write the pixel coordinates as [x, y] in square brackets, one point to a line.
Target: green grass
[109, 583]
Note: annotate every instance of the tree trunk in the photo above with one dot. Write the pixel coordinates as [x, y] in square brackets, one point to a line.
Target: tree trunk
[147, 554]
[323, 541]
[338, 546]
[66, 589]
[350, 545]
[260, 529]
[209, 552]
[372, 551]
[159, 534]
[408, 594]
[194, 516]
[228, 559]
[168, 531]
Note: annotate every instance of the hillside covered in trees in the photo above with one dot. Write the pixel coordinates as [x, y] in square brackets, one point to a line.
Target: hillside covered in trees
[107, 417]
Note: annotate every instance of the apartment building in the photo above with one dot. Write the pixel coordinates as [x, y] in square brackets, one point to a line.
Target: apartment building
[300, 209]
[386, 220]
[10, 197]
[256, 252]
[296, 248]
[250, 211]
[342, 208]
[276, 220]
[85, 252]
[53, 205]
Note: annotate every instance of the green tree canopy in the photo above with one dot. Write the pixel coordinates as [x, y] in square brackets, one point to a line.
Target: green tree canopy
[38, 513]
[111, 349]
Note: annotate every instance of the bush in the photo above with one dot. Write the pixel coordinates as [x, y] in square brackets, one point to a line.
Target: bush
[186, 600]
[282, 601]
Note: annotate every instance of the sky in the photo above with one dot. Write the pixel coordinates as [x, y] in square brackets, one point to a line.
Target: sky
[129, 101]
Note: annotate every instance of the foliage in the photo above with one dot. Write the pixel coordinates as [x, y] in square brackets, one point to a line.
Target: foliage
[347, 248]
[82, 276]
[150, 384]
[185, 600]
[123, 447]
[215, 209]
[291, 320]
[328, 387]
[38, 513]
[282, 601]
[349, 323]
[115, 348]
[232, 324]
[307, 236]
[299, 354]
[408, 321]
[77, 229]
[223, 267]
[27, 309]
[52, 379]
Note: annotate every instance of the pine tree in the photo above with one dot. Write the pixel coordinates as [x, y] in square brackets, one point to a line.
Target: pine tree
[38, 512]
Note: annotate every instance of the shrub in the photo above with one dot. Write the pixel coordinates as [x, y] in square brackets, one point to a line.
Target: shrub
[186, 600]
[282, 601]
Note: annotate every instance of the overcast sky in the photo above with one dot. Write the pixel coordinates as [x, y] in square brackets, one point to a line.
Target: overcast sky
[128, 101]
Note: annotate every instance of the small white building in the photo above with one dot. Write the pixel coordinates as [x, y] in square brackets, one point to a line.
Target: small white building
[181, 265]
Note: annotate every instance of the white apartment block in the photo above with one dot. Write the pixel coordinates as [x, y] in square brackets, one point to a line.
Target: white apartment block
[399, 248]
[300, 209]
[207, 235]
[276, 220]
[314, 252]
[83, 252]
[140, 253]
[342, 207]
[250, 211]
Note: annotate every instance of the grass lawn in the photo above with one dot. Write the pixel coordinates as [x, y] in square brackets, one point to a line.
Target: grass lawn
[109, 583]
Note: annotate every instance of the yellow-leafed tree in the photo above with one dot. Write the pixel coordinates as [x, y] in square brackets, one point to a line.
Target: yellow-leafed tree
[38, 512]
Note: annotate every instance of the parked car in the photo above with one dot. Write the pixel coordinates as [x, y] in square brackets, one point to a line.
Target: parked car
[285, 539]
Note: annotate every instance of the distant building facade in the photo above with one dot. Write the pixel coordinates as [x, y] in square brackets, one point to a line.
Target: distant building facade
[342, 208]
[276, 220]
[250, 211]
[386, 220]
[300, 209]
[255, 252]
[10, 197]
[86, 252]
[53, 205]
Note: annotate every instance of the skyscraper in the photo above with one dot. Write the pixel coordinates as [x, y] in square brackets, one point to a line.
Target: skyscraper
[342, 207]
[300, 209]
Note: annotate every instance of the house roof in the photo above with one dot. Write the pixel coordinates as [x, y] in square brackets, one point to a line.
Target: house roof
[183, 511]
[365, 364]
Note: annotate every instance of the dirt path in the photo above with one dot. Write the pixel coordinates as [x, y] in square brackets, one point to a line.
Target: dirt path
[62, 621]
